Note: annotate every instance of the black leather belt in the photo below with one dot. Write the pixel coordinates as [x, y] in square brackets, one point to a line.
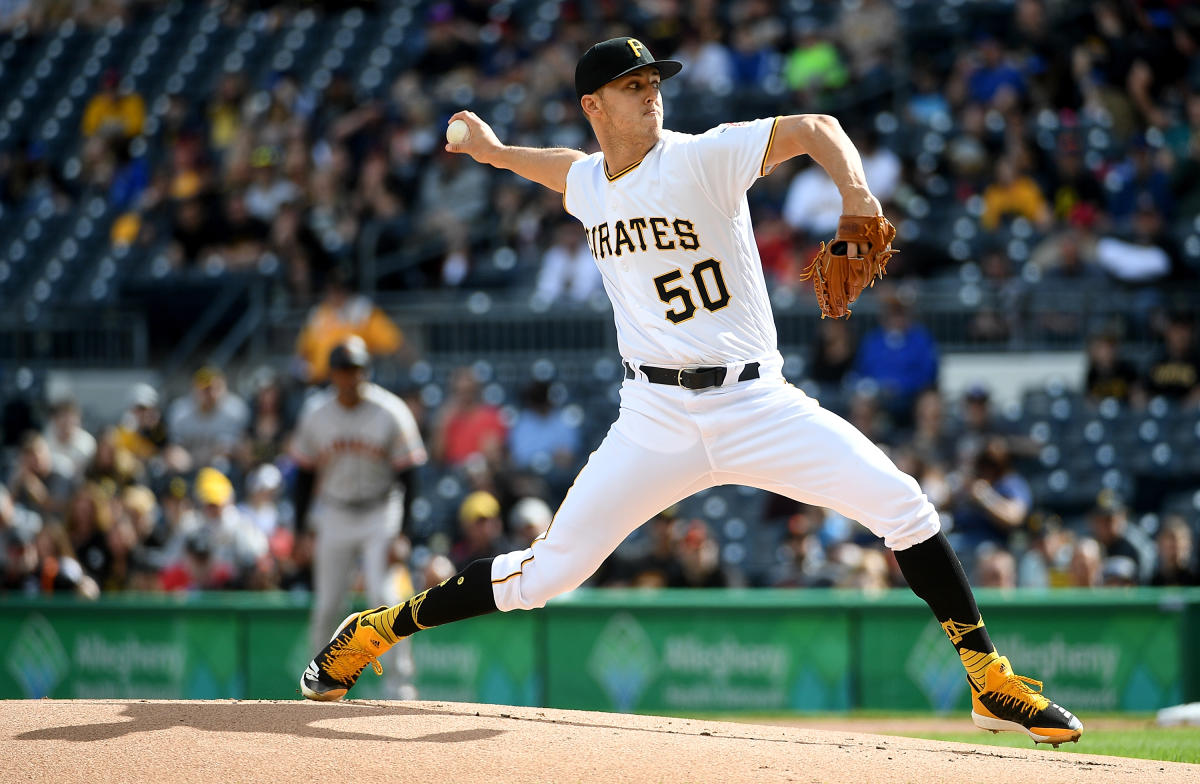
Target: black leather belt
[691, 378]
[358, 505]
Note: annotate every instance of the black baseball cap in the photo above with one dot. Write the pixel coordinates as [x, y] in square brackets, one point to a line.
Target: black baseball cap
[613, 59]
[350, 353]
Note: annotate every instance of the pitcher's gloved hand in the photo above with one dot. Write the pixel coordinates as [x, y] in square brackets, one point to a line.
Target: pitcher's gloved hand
[838, 278]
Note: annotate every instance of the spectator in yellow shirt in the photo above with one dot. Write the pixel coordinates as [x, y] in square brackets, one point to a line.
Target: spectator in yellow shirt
[115, 113]
[1013, 195]
[340, 314]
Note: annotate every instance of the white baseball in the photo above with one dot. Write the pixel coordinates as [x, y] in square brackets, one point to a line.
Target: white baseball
[457, 132]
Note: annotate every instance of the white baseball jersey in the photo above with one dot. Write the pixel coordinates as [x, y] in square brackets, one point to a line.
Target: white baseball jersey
[673, 240]
[357, 451]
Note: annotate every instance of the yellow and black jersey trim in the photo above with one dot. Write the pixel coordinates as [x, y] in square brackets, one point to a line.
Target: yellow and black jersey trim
[762, 170]
[623, 172]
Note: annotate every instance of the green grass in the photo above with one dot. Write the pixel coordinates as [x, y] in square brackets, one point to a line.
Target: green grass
[1115, 734]
[1171, 744]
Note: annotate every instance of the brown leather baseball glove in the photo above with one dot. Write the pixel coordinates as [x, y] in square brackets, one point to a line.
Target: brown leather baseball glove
[839, 279]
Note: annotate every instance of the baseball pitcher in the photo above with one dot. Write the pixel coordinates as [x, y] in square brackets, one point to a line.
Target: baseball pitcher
[704, 401]
[357, 448]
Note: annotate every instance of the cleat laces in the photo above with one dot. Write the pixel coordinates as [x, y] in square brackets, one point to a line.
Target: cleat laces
[344, 661]
[1016, 691]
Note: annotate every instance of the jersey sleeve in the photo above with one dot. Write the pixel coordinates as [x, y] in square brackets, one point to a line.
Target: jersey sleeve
[578, 170]
[407, 448]
[728, 159]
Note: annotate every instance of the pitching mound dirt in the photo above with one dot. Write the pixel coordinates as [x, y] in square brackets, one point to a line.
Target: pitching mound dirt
[99, 741]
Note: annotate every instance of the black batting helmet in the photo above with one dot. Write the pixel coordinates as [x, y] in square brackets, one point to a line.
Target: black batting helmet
[350, 353]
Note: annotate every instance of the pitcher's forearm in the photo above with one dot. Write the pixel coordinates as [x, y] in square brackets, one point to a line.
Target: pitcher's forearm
[832, 149]
[545, 166]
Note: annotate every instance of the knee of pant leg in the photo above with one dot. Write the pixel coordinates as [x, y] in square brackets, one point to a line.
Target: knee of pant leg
[913, 532]
[895, 509]
[919, 521]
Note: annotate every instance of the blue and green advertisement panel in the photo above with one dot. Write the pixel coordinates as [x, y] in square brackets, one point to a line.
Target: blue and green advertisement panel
[625, 650]
[682, 652]
[1094, 650]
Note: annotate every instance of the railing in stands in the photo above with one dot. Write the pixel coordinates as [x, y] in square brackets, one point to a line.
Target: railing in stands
[1050, 318]
[469, 325]
[76, 339]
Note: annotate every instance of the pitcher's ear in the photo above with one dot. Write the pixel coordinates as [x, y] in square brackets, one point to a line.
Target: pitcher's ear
[590, 104]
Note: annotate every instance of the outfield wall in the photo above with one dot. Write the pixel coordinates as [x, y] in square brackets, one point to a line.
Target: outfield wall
[685, 651]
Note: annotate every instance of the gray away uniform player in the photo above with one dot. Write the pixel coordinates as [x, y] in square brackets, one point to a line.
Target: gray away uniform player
[357, 447]
[704, 401]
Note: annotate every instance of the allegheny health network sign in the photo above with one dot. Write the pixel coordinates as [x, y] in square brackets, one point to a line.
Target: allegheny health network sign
[697, 651]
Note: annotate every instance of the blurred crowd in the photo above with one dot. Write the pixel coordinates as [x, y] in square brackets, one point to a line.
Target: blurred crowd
[1069, 126]
[195, 493]
[1055, 142]
[973, 463]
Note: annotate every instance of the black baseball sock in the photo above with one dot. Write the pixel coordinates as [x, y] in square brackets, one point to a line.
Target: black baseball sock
[465, 595]
[934, 573]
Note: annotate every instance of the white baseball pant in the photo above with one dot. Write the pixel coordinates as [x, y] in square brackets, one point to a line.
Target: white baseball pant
[669, 442]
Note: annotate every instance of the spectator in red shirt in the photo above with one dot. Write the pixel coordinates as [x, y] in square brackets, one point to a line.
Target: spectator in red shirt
[199, 569]
[467, 425]
[776, 249]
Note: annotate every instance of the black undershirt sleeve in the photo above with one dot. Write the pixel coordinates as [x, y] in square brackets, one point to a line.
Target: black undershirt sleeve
[409, 482]
[302, 499]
